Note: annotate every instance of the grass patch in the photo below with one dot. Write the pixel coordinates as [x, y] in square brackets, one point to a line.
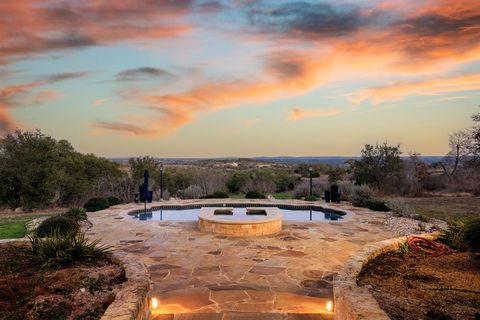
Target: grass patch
[282, 196]
[13, 227]
[445, 208]
[236, 196]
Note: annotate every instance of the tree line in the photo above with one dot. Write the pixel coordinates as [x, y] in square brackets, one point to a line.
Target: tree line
[38, 171]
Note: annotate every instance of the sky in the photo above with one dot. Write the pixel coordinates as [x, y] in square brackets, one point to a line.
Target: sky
[244, 78]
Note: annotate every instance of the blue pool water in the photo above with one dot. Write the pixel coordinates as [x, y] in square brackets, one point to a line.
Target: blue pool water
[239, 213]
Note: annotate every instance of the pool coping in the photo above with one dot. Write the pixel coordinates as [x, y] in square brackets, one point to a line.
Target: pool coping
[346, 214]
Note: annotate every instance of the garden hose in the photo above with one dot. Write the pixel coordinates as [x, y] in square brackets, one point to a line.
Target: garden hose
[428, 247]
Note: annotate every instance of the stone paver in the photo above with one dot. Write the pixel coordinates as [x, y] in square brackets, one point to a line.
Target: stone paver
[199, 275]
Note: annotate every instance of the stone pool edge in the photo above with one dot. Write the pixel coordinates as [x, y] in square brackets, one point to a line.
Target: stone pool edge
[341, 208]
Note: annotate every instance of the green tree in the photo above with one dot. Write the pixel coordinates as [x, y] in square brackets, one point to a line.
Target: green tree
[237, 181]
[336, 174]
[29, 165]
[139, 165]
[36, 170]
[380, 166]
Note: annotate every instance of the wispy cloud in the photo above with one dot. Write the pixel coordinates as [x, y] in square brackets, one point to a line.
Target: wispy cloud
[98, 102]
[301, 113]
[143, 73]
[436, 86]
[21, 95]
[31, 27]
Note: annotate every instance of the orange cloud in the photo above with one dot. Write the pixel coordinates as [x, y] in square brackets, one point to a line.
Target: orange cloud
[31, 27]
[415, 38]
[20, 95]
[400, 90]
[98, 102]
[287, 74]
[299, 113]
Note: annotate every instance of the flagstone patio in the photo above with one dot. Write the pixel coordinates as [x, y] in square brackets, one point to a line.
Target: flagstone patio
[199, 275]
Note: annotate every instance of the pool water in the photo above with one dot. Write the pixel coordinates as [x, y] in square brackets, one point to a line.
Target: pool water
[238, 214]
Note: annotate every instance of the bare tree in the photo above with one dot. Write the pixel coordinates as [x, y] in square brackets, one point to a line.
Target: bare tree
[459, 143]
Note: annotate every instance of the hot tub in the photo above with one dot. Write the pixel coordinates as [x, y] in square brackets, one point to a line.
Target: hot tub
[256, 221]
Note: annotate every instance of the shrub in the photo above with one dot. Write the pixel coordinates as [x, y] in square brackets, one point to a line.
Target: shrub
[404, 248]
[378, 205]
[472, 234]
[346, 190]
[113, 201]
[401, 208]
[254, 195]
[311, 198]
[362, 195]
[192, 192]
[302, 189]
[454, 235]
[216, 195]
[58, 250]
[421, 217]
[63, 225]
[77, 214]
[96, 204]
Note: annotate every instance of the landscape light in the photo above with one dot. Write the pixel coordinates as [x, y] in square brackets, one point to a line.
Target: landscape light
[154, 303]
[329, 306]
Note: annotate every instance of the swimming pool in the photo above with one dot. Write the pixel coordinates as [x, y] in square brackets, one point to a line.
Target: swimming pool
[291, 213]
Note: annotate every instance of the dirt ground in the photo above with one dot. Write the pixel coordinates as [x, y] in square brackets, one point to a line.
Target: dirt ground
[422, 287]
[81, 291]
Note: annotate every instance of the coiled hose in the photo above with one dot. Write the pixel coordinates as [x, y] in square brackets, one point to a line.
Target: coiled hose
[428, 247]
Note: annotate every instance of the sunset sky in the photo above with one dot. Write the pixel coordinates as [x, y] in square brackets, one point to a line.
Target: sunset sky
[242, 77]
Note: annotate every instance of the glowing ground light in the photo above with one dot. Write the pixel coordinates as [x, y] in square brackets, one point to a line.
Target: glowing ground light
[329, 306]
[154, 303]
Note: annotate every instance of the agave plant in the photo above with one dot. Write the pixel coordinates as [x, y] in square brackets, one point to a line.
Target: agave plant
[60, 249]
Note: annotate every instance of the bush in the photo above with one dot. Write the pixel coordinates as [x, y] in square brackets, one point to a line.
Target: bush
[58, 250]
[421, 217]
[362, 195]
[113, 201]
[472, 234]
[96, 204]
[346, 190]
[311, 198]
[254, 195]
[454, 235]
[378, 205]
[77, 214]
[302, 189]
[192, 192]
[63, 225]
[401, 208]
[216, 195]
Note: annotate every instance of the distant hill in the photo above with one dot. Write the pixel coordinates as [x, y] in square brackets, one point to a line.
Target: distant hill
[332, 160]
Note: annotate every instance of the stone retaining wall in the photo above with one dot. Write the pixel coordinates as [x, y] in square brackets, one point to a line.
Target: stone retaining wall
[357, 303]
[131, 302]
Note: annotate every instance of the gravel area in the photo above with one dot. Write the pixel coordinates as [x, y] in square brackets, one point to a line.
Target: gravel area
[404, 226]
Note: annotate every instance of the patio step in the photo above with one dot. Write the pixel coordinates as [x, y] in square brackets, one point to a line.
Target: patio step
[243, 316]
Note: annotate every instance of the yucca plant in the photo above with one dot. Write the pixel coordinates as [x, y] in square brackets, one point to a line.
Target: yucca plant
[59, 249]
[78, 214]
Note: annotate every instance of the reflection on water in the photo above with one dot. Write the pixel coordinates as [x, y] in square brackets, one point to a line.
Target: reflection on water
[238, 214]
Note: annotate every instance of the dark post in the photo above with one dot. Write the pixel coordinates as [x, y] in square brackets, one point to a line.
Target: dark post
[161, 181]
[144, 193]
[145, 190]
[310, 170]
